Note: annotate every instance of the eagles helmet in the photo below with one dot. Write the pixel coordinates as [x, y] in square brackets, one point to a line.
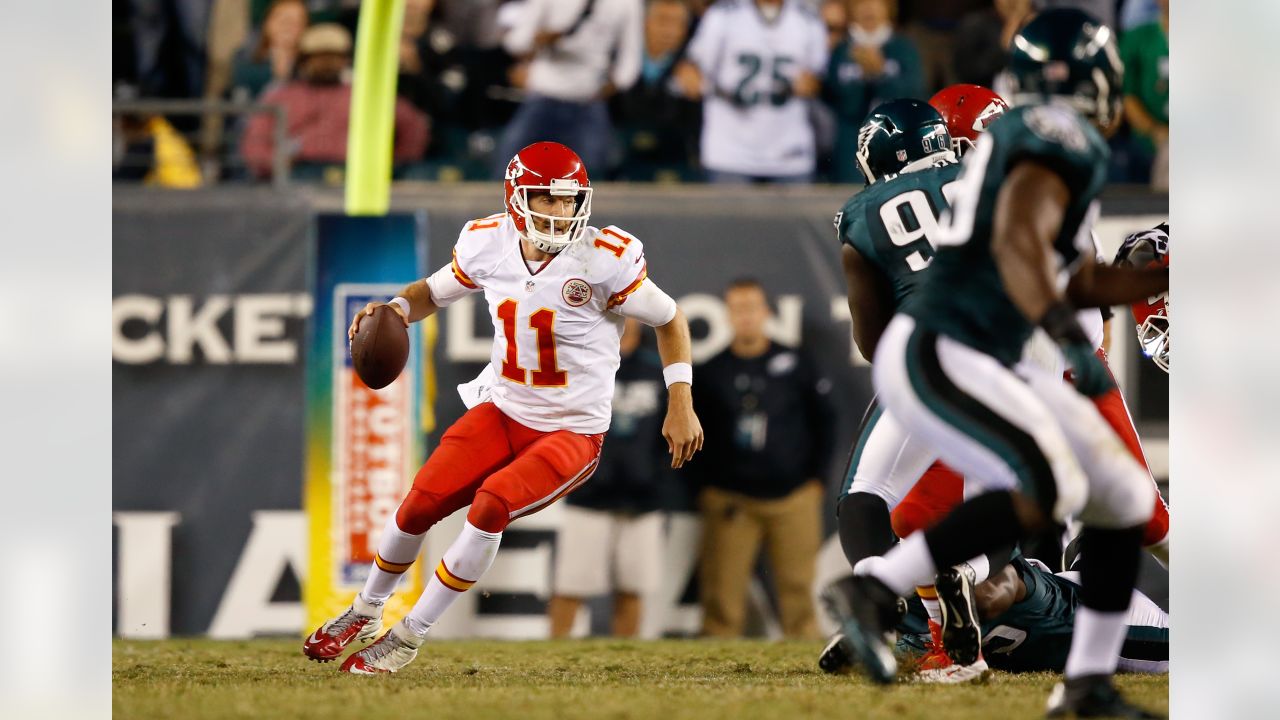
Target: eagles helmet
[901, 136]
[1068, 54]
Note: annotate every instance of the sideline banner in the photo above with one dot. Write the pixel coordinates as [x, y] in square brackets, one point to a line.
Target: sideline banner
[362, 446]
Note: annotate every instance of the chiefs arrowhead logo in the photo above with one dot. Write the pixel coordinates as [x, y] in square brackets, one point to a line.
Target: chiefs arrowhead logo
[993, 110]
[516, 168]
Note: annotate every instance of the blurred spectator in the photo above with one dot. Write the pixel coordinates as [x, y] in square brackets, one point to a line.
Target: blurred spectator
[658, 125]
[610, 536]
[169, 42]
[318, 108]
[149, 150]
[983, 38]
[931, 26]
[1138, 12]
[580, 52]
[1145, 51]
[756, 64]
[272, 55]
[872, 65]
[770, 429]
[228, 28]
[474, 22]
[835, 16]
[432, 74]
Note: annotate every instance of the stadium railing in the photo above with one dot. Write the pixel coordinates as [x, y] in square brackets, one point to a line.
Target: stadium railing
[214, 147]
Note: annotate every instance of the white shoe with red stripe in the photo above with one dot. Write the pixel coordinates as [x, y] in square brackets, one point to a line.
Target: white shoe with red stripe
[955, 674]
[394, 650]
[358, 624]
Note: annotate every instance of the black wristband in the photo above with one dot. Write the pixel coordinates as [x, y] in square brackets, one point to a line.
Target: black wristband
[1061, 324]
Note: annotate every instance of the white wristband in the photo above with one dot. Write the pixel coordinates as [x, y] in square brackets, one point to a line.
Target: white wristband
[403, 303]
[678, 372]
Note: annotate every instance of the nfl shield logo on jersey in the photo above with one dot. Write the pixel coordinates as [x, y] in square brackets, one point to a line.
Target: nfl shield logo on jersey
[576, 292]
[902, 156]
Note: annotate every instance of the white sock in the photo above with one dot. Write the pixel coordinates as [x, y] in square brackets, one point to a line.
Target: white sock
[1096, 642]
[904, 567]
[981, 568]
[397, 550]
[929, 598]
[466, 560]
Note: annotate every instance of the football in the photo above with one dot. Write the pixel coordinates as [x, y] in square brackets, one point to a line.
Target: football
[380, 348]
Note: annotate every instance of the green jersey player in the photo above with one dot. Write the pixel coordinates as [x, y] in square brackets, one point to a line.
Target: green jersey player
[887, 233]
[1027, 616]
[1012, 258]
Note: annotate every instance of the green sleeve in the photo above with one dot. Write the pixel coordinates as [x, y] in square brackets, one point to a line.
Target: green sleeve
[1130, 49]
[853, 230]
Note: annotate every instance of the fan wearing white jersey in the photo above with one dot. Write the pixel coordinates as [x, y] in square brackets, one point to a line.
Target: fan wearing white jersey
[558, 291]
[757, 62]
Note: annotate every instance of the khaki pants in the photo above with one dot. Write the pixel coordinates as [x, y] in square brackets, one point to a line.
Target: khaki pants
[734, 527]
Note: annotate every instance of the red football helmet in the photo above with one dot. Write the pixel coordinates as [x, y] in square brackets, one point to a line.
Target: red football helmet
[552, 168]
[968, 110]
[1146, 249]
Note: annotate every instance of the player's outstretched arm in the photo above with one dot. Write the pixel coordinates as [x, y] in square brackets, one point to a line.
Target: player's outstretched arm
[1099, 285]
[681, 428]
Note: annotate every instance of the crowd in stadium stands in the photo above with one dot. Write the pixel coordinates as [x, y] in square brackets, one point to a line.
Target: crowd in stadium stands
[644, 90]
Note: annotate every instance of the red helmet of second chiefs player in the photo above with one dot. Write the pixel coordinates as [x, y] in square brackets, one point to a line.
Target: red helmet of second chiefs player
[555, 169]
[1145, 249]
[967, 110]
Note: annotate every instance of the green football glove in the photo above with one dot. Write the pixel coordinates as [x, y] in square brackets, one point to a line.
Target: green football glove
[1089, 373]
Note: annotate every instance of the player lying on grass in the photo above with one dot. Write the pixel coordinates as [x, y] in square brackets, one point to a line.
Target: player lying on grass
[557, 291]
[1027, 614]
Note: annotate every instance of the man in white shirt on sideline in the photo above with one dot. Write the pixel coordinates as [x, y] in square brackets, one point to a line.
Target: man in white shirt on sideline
[757, 63]
[580, 52]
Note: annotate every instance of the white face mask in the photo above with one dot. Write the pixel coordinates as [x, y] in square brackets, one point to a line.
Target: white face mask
[873, 38]
[561, 231]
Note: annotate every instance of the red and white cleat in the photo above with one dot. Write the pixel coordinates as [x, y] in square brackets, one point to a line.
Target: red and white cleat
[395, 649]
[935, 655]
[936, 667]
[955, 674]
[352, 626]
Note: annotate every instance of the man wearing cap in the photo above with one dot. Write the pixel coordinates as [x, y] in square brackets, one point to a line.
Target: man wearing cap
[317, 107]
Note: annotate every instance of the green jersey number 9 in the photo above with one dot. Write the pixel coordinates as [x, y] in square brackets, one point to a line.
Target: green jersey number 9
[912, 220]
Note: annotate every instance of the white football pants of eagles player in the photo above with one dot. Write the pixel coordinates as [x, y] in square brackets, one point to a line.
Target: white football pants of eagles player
[887, 460]
[1028, 431]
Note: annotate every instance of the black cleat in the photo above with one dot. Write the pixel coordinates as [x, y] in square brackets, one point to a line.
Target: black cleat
[835, 657]
[869, 613]
[1090, 696]
[961, 629]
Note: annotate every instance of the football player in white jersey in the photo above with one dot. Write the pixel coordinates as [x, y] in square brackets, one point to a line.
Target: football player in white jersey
[757, 63]
[558, 291]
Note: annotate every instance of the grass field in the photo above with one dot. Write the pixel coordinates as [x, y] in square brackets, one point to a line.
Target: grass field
[553, 680]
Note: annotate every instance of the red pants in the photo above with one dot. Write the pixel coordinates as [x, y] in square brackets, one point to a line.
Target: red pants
[940, 489]
[499, 467]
